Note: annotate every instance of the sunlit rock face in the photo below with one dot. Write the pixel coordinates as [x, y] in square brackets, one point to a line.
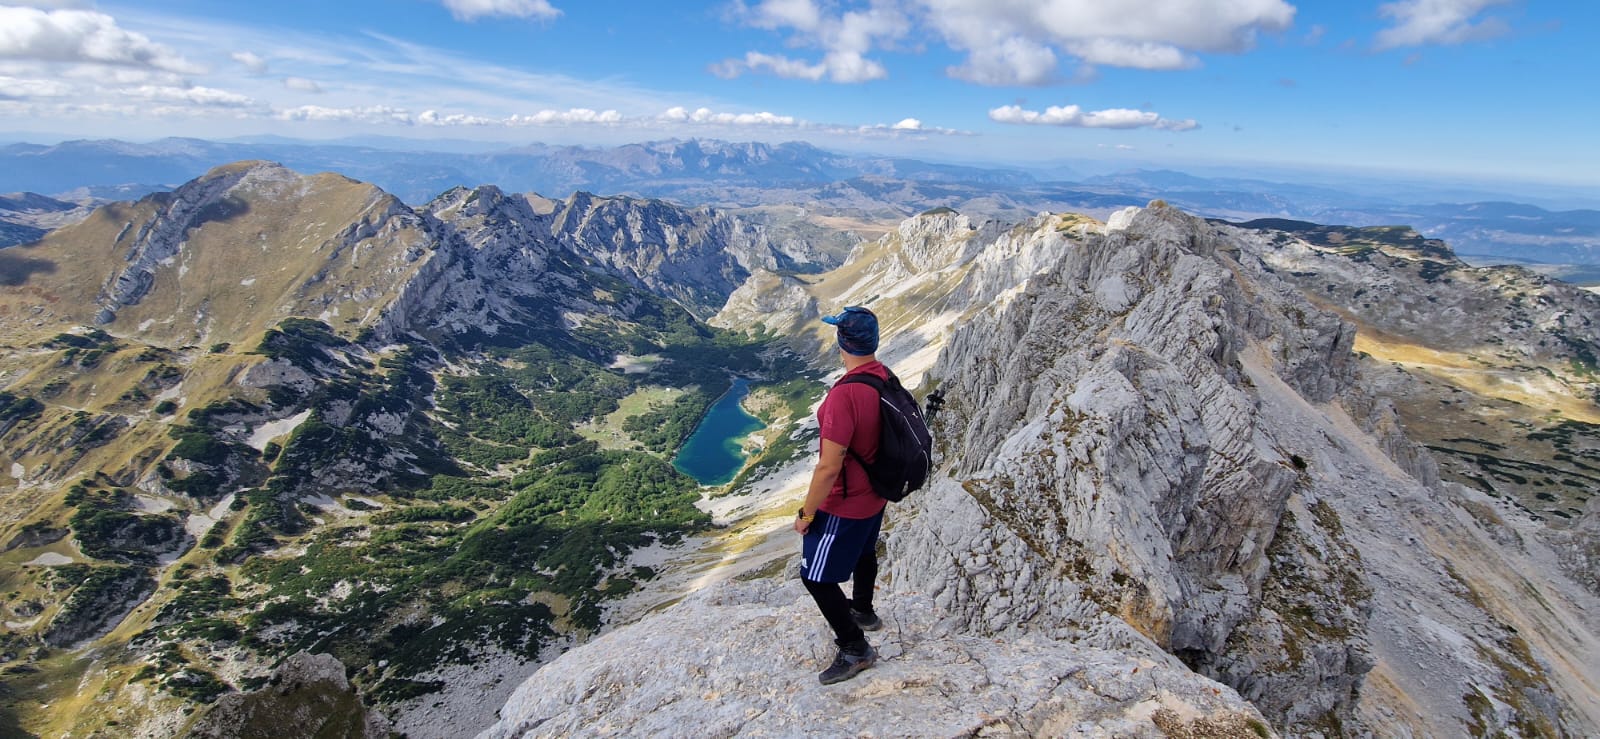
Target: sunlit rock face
[1156, 447]
[755, 674]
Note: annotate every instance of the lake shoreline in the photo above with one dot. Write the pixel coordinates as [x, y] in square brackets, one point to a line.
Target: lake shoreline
[716, 451]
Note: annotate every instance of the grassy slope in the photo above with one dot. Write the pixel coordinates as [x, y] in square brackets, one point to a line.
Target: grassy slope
[520, 540]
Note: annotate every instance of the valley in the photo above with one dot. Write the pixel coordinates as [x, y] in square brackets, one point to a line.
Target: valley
[1278, 467]
[408, 491]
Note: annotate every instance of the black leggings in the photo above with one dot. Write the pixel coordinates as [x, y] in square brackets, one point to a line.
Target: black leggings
[836, 608]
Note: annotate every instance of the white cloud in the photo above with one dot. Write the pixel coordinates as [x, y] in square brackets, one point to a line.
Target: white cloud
[1003, 40]
[24, 89]
[803, 15]
[705, 116]
[444, 90]
[122, 76]
[1013, 42]
[81, 36]
[1013, 61]
[432, 118]
[906, 127]
[471, 10]
[676, 116]
[842, 67]
[569, 117]
[1009, 42]
[1424, 22]
[845, 40]
[204, 96]
[1076, 117]
[361, 114]
[781, 66]
[250, 61]
[672, 117]
[1112, 52]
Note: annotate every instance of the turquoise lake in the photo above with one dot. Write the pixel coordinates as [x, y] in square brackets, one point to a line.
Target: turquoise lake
[712, 455]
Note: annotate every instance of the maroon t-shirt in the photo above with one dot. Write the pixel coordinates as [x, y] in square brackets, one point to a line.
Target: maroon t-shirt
[849, 416]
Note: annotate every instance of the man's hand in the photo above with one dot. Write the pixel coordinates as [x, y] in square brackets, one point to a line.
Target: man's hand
[830, 463]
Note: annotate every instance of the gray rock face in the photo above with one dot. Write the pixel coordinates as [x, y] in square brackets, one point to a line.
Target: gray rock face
[36, 535]
[1109, 448]
[161, 238]
[278, 373]
[774, 301]
[1159, 429]
[754, 674]
[1417, 288]
[98, 603]
[307, 695]
[502, 262]
[1153, 445]
[696, 256]
[1580, 548]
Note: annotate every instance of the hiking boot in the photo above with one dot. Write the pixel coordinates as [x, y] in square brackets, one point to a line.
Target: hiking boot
[851, 660]
[867, 620]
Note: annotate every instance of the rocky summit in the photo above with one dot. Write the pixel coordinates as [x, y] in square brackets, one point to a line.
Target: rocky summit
[281, 446]
[1155, 446]
[269, 413]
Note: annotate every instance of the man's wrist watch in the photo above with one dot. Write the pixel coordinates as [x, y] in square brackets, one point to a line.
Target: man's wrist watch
[801, 514]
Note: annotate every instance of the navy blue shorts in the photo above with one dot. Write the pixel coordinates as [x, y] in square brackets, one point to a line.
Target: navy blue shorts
[833, 545]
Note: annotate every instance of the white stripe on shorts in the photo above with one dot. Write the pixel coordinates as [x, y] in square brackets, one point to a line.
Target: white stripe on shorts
[824, 544]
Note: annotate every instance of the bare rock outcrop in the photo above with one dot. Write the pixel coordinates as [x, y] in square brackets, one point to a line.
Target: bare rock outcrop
[774, 301]
[308, 695]
[1110, 455]
[100, 598]
[754, 674]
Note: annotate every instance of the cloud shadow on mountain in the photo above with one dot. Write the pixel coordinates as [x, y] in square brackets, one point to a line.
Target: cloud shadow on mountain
[16, 269]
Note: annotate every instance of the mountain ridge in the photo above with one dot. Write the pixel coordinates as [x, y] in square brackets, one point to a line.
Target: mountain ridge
[1175, 452]
[881, 188]
[1164, 455]
[210, 383]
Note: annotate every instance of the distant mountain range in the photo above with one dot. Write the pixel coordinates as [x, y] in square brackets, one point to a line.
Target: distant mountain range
[278, 445]
[742, 175]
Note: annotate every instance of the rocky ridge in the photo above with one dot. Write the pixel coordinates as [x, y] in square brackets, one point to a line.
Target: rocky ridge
[1158, 451]
[932, 680]
[26, 216]
[262, 367]
[696, 256]
[1495, 369]
[1157, 446]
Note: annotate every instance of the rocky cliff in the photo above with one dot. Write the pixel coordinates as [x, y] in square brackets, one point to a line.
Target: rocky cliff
[1495, 369]
[1179, 492]
[281, 412]
[1153, 445]
[754, 675]
[695, 256]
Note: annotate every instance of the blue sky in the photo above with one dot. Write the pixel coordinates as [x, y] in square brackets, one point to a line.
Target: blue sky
[1476, 89]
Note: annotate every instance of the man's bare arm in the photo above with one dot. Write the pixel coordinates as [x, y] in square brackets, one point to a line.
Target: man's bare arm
[829, 466]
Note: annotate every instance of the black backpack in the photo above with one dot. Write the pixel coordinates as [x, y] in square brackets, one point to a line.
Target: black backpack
[905, 448]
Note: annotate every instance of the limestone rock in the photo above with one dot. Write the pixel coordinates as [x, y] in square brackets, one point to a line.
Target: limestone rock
[307, 696]
[696, 256]
[754, 674]
[98, 603]
[776, 302]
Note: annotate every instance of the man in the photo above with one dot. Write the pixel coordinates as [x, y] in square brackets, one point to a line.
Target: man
[841, 515]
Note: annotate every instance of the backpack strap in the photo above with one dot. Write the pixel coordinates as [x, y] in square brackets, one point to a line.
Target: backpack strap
[877, 383]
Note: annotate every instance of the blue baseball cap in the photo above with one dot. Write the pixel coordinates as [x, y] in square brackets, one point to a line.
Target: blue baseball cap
[858, 330]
